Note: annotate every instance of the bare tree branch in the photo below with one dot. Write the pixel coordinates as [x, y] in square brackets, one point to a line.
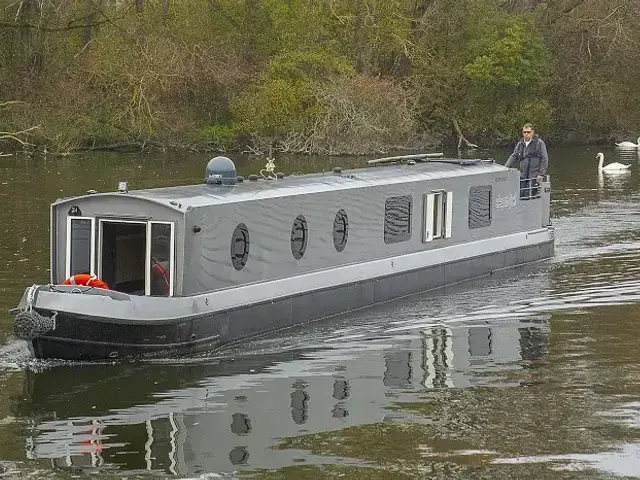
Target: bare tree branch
[11, 102]
[75, 24]
[14, 136]
[461, 137]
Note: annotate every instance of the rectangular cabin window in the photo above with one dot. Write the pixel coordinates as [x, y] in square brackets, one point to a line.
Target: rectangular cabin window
[438, 215]
[480, 206]
[161, 259]
[80, 246]
[397, 219]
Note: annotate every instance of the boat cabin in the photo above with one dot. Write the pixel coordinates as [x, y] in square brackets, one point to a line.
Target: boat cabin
[224, 233]
[133, 253]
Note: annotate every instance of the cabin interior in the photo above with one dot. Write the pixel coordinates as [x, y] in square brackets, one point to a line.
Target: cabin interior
[134, 257]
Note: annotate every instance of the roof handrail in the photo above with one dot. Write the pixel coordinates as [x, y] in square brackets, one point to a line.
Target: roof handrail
[419, 156]
[463, 161]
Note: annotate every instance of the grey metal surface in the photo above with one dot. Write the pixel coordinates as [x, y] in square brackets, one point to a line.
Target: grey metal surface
[446, 266]
[295, 185]
[208, 267]
[203, 260]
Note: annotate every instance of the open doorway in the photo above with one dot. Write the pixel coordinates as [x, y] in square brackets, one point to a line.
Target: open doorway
[123, 255]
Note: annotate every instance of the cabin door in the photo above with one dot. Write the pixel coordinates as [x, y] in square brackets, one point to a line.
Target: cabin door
[136, 257]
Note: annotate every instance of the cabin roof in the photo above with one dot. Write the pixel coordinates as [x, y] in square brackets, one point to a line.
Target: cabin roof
[182, 197]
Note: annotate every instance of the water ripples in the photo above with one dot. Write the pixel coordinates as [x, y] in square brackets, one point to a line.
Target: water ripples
[549, 348]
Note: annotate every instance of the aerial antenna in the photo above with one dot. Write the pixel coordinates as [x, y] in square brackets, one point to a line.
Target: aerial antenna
[269, 167]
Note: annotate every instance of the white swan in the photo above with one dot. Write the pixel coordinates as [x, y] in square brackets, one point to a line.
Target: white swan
[628, 144]
[611, 167]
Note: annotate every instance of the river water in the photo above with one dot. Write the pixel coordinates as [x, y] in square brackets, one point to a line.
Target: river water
[532, 373]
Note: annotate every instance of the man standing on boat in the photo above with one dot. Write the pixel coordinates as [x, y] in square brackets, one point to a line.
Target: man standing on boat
[530, 156]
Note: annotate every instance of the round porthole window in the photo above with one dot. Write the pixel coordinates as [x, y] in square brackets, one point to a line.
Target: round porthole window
[340, 230]
[240, 246]
[299, 237]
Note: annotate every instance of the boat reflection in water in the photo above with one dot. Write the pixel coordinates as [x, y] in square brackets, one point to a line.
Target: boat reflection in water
[188, 419]
[465, 357]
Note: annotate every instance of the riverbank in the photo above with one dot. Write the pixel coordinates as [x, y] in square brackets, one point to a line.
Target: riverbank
[419, 143]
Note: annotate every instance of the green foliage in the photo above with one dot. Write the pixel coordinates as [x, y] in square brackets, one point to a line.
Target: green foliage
[221, 136]
[282, 100]
[339, 75]
[274, 108]
[514, 63]
[296, 26]
[536, 111]
[506, 82]
[309, 66]
[313, 101]
[481, 67]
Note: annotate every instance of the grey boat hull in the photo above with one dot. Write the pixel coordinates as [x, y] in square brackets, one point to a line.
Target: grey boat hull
[204, 326]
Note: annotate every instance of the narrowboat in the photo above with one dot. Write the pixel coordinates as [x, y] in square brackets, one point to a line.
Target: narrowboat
[179, 270]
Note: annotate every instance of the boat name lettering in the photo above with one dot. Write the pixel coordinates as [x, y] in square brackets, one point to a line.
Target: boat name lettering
[501, 179]
[507, 201]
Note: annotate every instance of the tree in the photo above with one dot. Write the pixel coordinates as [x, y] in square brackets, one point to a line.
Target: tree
[594, 51]
[507, 81]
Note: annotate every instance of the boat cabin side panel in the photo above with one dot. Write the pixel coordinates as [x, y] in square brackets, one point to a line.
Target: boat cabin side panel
[273, 238]
[134, 245]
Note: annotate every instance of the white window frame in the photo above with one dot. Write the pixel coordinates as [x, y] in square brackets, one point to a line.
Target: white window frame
[439, 225]
[449, 216]
[172, 259]
[92, 260]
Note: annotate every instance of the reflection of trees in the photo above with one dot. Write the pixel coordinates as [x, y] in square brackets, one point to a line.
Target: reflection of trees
[161, 241]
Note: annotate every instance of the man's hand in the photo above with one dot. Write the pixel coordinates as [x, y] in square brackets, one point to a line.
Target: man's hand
[540, 178]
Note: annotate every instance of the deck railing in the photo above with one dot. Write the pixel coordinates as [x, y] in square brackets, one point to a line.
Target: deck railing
[529, 188]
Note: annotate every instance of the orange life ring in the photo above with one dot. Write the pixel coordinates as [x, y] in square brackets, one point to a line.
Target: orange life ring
[87, 280]
[161, 274]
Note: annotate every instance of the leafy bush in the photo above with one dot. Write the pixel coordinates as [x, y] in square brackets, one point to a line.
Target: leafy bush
[221, 136]
[282, 100]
